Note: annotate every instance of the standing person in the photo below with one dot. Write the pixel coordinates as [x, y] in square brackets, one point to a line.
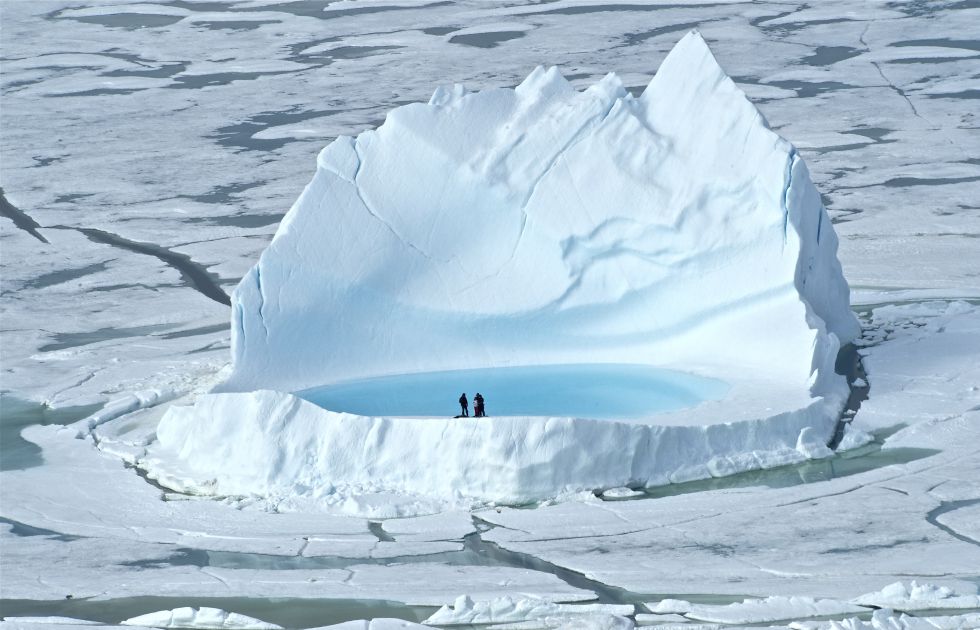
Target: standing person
[465, 405]
[478, 406]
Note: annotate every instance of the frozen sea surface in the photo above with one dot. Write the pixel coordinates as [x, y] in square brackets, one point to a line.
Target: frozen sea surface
[603, 392]
[15, 414]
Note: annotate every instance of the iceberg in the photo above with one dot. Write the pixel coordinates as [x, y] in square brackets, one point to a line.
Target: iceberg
[540, 229]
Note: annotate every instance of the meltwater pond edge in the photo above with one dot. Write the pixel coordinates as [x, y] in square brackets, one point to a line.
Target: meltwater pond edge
[16, 453]
[600, 391]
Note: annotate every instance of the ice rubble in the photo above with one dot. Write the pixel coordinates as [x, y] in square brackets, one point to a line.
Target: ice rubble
[886, 619]
[54, 620]
[465, 611]
[203, 617]
[533, 226]
[753, 611]
[374, 624]
[915, 596]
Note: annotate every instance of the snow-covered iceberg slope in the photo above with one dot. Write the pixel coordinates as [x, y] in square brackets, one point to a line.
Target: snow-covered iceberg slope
[523, 227]
[545, 225]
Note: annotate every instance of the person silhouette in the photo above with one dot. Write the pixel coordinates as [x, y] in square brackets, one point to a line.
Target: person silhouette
[478, 410]
[465, 405]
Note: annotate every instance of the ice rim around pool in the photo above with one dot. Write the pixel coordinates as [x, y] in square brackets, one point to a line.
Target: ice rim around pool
[538, 226]
[600, 391]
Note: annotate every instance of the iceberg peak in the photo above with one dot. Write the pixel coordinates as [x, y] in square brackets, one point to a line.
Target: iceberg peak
[546, 225]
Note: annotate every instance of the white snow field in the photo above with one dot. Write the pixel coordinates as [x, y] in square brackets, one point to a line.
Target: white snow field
[604, 234]
[150, 150]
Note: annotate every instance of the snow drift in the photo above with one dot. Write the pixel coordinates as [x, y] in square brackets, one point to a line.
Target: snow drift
[535, 226]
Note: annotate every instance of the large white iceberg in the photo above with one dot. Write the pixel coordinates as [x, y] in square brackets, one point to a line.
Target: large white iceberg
[535, 226]
[546, 225]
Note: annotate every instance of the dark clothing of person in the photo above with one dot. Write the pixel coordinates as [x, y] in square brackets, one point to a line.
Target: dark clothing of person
[464, 404]
[478, 406]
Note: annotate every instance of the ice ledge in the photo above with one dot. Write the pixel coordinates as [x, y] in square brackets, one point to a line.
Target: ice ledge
[526, 227]
[278, 446]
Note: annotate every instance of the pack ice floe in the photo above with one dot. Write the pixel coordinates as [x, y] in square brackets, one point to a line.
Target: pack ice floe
[671, 241]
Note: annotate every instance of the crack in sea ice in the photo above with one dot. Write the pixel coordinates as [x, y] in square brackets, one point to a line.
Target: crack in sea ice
[949, 506]
[884, 78]
[21, 219]
[605, 593]
[194, 275]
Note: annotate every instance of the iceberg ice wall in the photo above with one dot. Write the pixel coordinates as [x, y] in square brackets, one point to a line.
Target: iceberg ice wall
[546, 225]
[533, 226]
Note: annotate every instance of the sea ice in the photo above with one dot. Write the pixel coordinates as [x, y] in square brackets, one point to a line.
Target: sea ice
[621, 493]
[774, 608]
[202, 617]
[886, 619]
[908, 385]
[670, 606]
[57, 623]
[374, 624]
[656, 619]
[100, 553]
[52, 621]
[465, 611]
[916, 596]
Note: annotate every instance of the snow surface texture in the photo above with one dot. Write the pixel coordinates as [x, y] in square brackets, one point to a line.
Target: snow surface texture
[674, 229]
[53, 621]
[203, 617]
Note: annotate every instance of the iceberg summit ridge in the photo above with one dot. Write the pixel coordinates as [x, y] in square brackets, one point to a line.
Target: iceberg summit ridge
[534, 226]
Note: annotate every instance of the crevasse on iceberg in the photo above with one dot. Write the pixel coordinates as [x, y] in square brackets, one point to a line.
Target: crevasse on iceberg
[528, 226]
